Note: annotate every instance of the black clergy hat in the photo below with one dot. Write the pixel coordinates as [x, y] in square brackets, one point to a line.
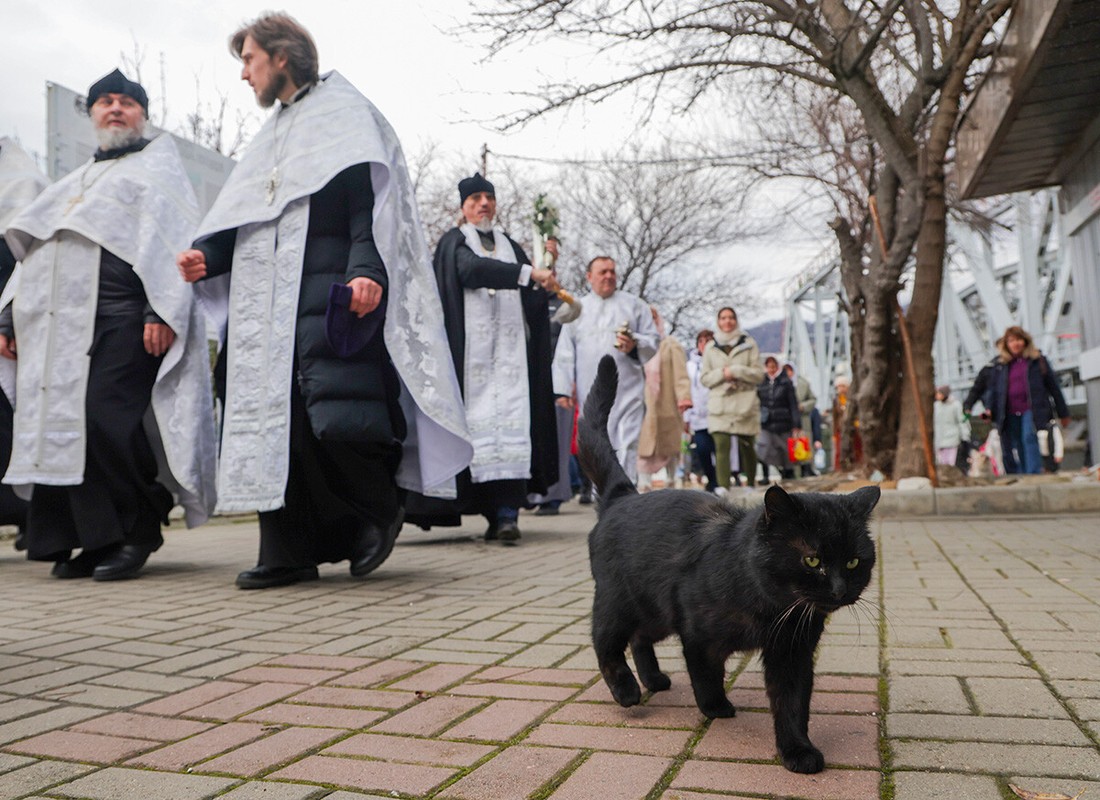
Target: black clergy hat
[469, 186]
[117, 83]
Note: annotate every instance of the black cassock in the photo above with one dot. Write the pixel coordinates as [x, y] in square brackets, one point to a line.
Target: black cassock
[457, 267]
[346, 426]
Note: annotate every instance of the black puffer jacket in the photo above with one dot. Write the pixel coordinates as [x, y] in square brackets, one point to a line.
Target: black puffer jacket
[778, 404]
[347, 399]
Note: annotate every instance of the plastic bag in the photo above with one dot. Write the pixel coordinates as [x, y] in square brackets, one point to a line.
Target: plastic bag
[798, 449]
[819, 459]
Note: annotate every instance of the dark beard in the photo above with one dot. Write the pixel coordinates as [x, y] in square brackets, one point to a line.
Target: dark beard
[268, 96]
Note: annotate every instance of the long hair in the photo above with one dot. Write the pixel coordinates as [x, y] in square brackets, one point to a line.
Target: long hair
[281, 34]
[1030, 352]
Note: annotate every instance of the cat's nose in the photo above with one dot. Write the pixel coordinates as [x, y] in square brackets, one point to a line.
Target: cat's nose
[837, 588]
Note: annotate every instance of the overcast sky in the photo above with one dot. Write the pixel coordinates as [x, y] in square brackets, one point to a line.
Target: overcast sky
[431, 84]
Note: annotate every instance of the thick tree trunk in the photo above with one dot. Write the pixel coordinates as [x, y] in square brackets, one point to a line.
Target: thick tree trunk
[873, 396]
[922, 316]
[878, 380]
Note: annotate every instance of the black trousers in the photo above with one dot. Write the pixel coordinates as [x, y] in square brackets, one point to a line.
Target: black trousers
[334, 489]
[13, 511]
[120, 501]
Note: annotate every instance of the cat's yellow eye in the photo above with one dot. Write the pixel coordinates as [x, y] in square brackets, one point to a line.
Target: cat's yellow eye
[813, 562]
[853, 563]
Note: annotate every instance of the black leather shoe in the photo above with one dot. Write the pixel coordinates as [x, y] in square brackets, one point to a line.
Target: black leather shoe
[586, 498]
[21, 539]
[375, 546]
[261, 577]
[126, 563]
[74, 568]
[83, 566]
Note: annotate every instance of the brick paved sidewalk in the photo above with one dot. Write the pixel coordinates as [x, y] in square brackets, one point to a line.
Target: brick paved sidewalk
[463, 669]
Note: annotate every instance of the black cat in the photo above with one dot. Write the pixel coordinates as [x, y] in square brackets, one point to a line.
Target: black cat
[724, 579]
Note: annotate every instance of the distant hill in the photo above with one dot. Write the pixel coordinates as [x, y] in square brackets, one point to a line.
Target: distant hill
[769, 335]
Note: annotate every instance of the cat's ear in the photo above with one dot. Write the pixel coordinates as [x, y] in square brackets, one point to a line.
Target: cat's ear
[778, 504]
[863, 501]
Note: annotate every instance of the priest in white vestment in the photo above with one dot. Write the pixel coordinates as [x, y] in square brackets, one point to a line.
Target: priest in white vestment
[105, 352]
[498, 327]
[20, 183]
[617, 323]
[339, 392]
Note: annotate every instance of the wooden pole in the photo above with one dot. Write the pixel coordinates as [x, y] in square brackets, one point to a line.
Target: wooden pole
[907, 348]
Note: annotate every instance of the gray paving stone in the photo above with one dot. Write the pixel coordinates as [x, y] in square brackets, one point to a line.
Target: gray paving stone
[944, 786]
[270, 790]
[90, 694]
[984, 729]
[1060, 498]
[1068, 665]
[9, 762]
[114, 783]
[990, 500]
[45, 721]
[541, 655]
[983, 757]
[38, 777]
[1015, 698]
[937, 694]
[962, 669]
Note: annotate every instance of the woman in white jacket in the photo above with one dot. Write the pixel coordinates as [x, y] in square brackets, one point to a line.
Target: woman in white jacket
[950, 425]
[732, 371]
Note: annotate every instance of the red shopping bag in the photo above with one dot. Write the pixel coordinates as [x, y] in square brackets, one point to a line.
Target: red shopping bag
[798, 449]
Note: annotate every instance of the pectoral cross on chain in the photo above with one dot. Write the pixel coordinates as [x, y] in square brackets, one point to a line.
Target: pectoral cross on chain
[272, 184]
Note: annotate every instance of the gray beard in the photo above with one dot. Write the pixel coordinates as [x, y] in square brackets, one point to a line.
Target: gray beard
[484, 226]
[116, 138]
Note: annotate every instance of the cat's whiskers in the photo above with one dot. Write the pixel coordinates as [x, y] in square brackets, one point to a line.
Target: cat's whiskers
[803, 627]
[860, 613]
[873, 607]
[802, 624]
[777, 623]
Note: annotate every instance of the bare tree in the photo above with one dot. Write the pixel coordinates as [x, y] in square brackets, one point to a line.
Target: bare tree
[207, 124]
[821, 140]
[666, 225]
[904, 65]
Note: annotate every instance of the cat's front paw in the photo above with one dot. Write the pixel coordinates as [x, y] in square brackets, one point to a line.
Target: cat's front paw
[626, 691]
[719, 709]
[806, 760]
[656, 681]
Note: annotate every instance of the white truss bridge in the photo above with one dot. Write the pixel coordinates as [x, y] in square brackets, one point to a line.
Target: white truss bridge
[1016, 273]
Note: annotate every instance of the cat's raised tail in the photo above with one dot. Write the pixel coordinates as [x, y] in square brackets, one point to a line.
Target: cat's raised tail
[594, 450]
